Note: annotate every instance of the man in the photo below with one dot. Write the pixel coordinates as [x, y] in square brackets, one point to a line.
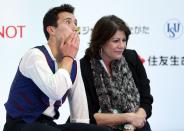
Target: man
[46, 76]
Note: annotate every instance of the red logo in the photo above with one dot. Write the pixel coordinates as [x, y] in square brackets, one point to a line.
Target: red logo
[142, 59]
[12, 31]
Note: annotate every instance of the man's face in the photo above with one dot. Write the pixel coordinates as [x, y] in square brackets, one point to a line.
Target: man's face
[66, 24]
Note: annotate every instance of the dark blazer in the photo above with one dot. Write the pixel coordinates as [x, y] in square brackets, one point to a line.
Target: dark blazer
[139, 75]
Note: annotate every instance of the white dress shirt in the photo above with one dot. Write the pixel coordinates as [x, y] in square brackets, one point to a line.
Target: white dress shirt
[34, 66]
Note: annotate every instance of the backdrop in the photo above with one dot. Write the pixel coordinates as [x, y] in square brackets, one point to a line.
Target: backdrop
[157, 36]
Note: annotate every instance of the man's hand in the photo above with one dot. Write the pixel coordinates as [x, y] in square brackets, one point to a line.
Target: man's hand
[69, 50]
[71, 45]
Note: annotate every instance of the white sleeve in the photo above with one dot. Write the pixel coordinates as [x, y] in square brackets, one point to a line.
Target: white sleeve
[78, 100]
[34, 66]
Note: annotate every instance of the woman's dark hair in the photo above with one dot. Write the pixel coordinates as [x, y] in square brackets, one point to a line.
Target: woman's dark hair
[51, 17]
[103, 30]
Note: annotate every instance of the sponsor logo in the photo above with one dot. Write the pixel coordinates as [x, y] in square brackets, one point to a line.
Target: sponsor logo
[173, 29]
[12, 31]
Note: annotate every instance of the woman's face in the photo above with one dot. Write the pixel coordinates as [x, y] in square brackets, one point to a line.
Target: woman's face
[114, 47]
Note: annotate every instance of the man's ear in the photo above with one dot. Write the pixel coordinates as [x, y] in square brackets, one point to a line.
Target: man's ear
[51, 30]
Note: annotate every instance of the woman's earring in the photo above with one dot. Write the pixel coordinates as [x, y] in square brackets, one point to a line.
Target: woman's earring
[100, 51]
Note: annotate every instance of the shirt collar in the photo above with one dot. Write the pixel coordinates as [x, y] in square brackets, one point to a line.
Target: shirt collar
[50, 52]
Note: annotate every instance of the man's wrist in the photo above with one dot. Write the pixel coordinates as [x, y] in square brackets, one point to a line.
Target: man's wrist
[68, 56]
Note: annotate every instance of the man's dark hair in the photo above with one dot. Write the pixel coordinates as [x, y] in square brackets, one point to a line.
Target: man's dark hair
[51, 17]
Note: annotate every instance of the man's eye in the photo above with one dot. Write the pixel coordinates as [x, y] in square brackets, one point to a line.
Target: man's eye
[68, 22]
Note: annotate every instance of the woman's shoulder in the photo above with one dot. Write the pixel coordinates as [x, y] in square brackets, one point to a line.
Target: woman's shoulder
[130, 55]
[85, 60]
[85, 63]
[129, 52]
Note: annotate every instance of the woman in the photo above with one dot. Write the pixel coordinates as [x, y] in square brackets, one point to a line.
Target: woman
[115, 80]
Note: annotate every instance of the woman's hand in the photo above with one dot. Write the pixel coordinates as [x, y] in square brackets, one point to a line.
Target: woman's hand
[137, 120]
